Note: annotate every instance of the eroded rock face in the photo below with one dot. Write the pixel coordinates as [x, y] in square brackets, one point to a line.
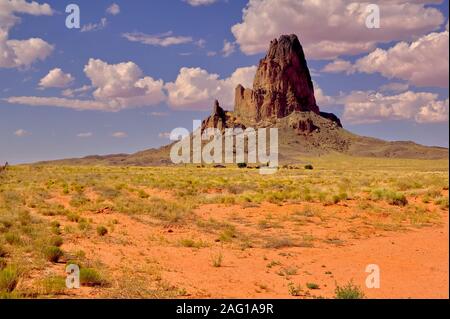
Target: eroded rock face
[305, 126]
[220, 119]
[282, 87]
[282, 84]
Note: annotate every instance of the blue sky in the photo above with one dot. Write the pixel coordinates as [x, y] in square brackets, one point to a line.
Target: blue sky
[160, 38]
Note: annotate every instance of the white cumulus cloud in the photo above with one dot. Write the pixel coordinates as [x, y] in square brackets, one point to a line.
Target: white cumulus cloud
[21, 53]
[196, 88]
[95, 26]
[116, 87]
[424, 62]
[113, 9]
[162, 40]
[332, 28]
[338, 66]
[119, 134]
[85, 135]
[370, 107]
[21, 133]
[56, 78]
[196, 3]
[228, 48]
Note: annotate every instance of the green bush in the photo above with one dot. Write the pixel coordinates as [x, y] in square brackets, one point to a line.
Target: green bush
[349, 291]
[56, 241]
[142, 194]
[442, 202]
[294, 290]
[13, 239]
[191, 243]
[397, 199]
[8, 279]
[393, 198]
[102, 230]
[3, 263]
[91, 277]
[312, 285]
[54, 285]
[217, 260]
[73, 217]
[55, 224]
[53, 254]
[3, 251]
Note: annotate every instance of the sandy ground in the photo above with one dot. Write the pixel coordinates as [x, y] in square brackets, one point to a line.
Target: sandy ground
[140, 253]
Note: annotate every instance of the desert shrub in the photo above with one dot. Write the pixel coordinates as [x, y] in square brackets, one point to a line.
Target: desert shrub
[56, 241]
[273, 263]
[78, 200]
[24, 217]
[397, 199]
[53, 254]
[73, 217]
[217, 260]
[3, 251]
[91, 277]
[306, 212]
[349, 291]
[242, 165]
[143, 194]
[84, 225]
[102, 230]
[53, 285]
[309, 167]
[3, 263]
[191, 243]
[9, 277]
[55, 230]
[288, 271]
[279, 243]
[339, 197]
[312, 285]
[393, 198]
[107, 192]
[228, 234]
[235, 189]
[5, 224]
[66, 189]
[13, 239]
[13, 198]
[442, 202]
[294, 290]
[55, 224]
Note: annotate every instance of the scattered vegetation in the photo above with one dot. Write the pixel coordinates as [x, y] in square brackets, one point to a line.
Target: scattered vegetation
[53, 285]
[191, 243]
[217, 260]
[294, 290]
[91, 277]
[8, 279]
[312, 285]
[281, 242]
[53, 253]
[393, 198]
[44, 207]
[102, 230]
[349, 291]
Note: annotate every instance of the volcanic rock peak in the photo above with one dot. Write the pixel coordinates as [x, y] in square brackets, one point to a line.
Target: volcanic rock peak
[282, 86]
